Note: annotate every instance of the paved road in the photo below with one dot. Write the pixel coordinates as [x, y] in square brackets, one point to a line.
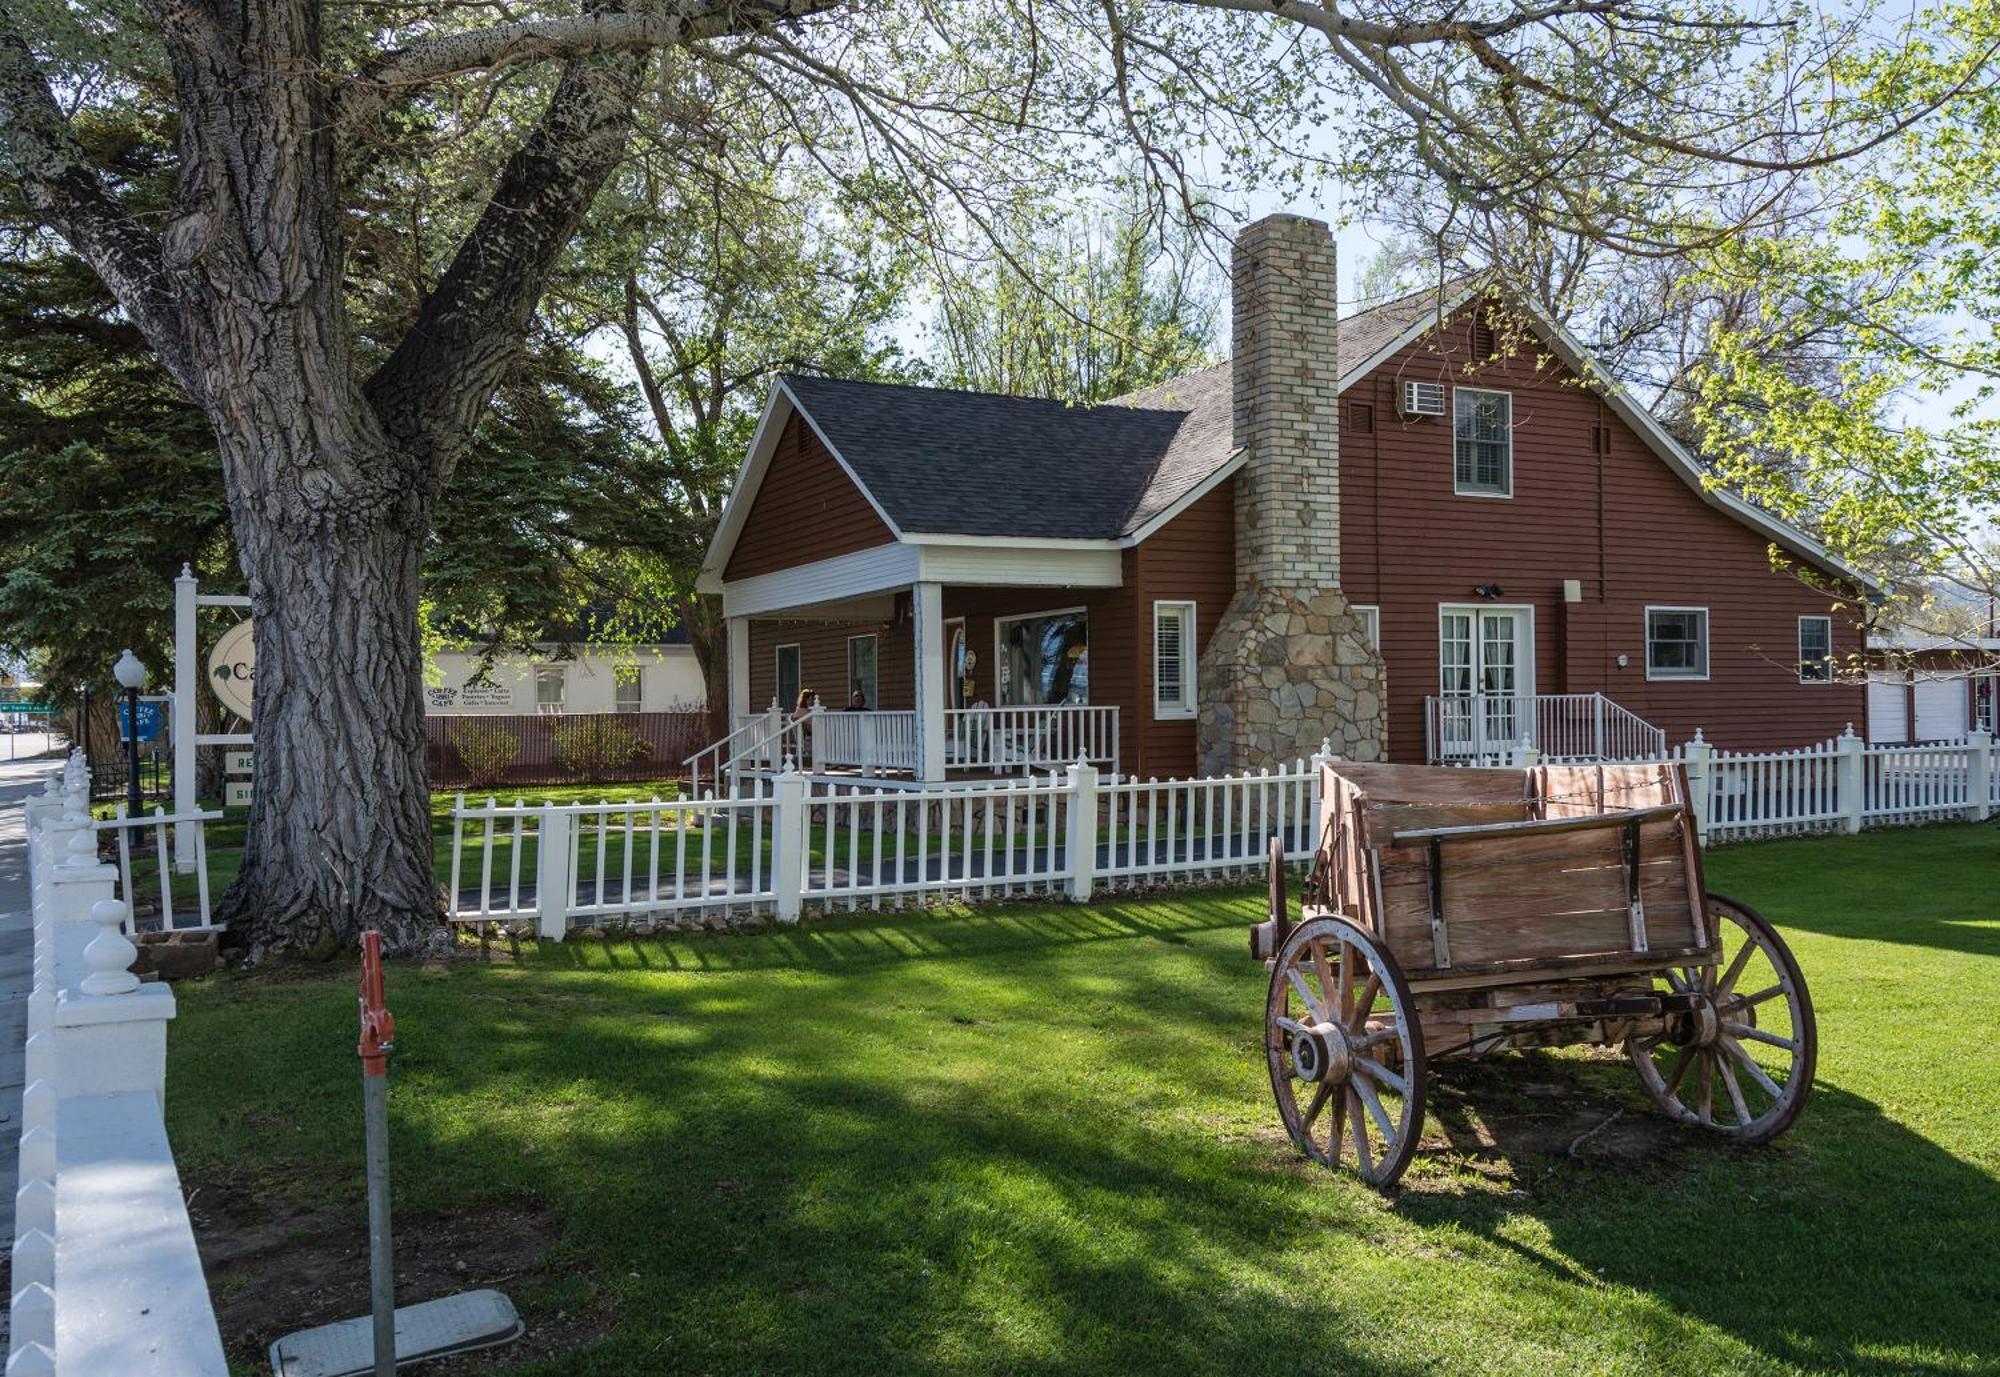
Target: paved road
[18, 779]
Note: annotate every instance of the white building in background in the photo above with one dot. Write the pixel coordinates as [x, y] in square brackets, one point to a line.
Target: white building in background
[600, 678]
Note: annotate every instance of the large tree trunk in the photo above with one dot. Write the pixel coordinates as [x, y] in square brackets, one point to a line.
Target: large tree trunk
[339, 839]
[708, 637]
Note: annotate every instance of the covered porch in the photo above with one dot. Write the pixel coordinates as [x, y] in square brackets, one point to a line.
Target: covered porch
[922, 680]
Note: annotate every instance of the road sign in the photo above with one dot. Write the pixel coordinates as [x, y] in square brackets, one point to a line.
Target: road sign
[35, 709]
[152, 721]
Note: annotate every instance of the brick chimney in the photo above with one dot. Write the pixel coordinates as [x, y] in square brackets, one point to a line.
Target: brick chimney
[1288, 665]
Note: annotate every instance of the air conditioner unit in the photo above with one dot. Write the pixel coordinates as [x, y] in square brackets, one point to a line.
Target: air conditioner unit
[1423, 399]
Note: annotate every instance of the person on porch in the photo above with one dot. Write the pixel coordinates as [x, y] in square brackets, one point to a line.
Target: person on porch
[857, 701]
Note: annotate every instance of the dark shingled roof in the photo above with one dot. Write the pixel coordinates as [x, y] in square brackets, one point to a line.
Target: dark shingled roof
[944, 462]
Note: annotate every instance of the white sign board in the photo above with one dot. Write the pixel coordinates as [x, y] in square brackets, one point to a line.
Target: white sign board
[236, 793]
[232, 668]
[236, 762]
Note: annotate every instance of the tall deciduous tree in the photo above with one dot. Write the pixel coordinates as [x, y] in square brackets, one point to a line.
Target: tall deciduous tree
[1086, 308]
[336, 447]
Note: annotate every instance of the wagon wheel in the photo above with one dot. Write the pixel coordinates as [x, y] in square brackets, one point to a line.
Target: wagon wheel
[1742, 1062]
[1345, 1051]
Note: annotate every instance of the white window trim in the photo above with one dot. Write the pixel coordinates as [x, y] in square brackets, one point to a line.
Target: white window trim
[999, 622]
[637, 680]
[1674, 676]
[1373, 618]
[1524, 669]
[1187, 707]
[1457, 491]
[535, 683]
[847, 671]
[778, 679]
[1801, 646]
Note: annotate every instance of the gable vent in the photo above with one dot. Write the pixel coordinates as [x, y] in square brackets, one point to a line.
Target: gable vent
[1423, 399]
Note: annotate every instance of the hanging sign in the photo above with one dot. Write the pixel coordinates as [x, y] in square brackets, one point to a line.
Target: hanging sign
[236, 762]
[152, 720]
[232, 668]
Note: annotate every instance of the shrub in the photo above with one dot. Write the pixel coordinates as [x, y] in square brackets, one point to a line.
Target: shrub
[487, 748]
[596, 747]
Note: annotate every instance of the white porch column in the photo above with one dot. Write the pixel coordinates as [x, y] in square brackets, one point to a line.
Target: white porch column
[927, 615]
[739, 670]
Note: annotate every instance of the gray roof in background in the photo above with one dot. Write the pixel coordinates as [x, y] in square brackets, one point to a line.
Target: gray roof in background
[945, 462]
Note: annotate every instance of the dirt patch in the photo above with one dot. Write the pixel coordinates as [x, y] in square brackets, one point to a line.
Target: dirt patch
[1517, 1121]
[275, 1266]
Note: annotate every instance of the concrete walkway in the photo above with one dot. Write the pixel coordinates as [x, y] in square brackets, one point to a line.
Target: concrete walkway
[18, 779]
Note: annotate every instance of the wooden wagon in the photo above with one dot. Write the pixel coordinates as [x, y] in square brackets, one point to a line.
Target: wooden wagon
[1457, 912]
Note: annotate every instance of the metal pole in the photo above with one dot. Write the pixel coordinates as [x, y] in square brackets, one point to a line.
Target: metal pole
[378, 1038]
[135, 802]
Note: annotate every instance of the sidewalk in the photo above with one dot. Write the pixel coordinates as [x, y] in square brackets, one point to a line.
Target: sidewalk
[18, 779]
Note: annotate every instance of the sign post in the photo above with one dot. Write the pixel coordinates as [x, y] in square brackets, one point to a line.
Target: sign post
[188, 741]
[378, 1039]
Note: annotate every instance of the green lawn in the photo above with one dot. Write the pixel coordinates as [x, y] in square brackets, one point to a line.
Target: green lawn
[1038, 1139]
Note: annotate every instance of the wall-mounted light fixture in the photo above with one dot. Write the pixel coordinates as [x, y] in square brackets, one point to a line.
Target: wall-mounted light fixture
[1488, 590]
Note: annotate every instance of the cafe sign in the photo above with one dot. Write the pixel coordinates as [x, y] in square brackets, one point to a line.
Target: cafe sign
[232, 668]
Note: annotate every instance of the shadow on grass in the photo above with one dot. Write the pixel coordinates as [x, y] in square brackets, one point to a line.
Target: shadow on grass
[1850, 1244]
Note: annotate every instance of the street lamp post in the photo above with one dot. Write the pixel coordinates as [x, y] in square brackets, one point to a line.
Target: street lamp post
[131, 676]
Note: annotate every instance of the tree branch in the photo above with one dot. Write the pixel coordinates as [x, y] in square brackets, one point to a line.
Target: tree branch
[539, 40]
[62, 187]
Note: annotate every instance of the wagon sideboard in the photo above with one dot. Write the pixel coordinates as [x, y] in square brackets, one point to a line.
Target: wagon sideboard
[1477, 876]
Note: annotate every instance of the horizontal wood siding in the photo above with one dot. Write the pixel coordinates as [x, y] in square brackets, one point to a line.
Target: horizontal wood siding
[1620, 522]
[806, 509]
[823, 660]
[1191, 558]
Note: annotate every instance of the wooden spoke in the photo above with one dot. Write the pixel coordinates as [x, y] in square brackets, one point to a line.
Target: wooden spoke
[1729, 977]
[1722, 1022]
[1757, 1073]
[1735, 1094]
[1338, 1133]
[1291, 1025]
[1364, 1003]
[1681, 1064]
[1738, 1002]
[1329, 988]
[1305, 994]
[1375, 1110]
[1319, 1100]
[1343, 1003]
[1744, 1030]
[1363, 1158]
[1381, 1035]
[1375, 1070]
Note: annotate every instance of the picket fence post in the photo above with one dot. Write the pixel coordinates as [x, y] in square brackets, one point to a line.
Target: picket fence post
[788, 844]
[1979, 775]
[552, 877]
[1701, 781]
[1853, 789]
[1525, 754]
[1080, 844]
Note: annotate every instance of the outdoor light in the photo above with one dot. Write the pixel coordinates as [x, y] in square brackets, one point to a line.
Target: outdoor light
[1489, 590]
[130, 673]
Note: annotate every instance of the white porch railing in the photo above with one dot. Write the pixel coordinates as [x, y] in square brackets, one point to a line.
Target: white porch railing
[1561, 726]
[1023, 739]
[100, 1221]
[759, 741]
[867, 741]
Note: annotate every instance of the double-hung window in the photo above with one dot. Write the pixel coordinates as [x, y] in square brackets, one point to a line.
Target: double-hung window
[1815, 650]
[1173, 659]
[625, 689]
[550, 688]
[1483, 443]
[1677, 643]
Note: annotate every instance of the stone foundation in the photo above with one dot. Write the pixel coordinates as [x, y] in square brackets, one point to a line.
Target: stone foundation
[1281, 674]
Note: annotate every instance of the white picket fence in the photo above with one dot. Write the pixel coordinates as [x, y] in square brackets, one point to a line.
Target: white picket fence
[1842, 785]
[106, 1277]
[800, 840]
[839, 844]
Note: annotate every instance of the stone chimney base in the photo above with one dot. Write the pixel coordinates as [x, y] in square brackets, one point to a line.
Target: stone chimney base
[1282, 673]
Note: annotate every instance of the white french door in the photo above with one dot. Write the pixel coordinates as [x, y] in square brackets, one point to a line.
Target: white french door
[1486, 678]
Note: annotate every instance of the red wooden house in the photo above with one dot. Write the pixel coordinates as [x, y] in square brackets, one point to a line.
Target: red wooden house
[1393, 531]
